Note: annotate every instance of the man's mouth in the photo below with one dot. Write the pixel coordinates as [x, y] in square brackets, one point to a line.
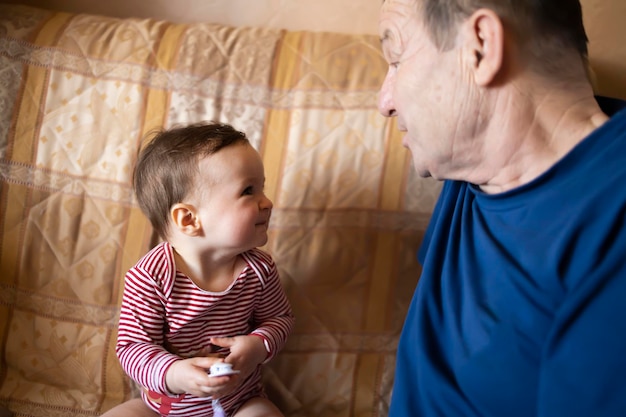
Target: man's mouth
[405, 140]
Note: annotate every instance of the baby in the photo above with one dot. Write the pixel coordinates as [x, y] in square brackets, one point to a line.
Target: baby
[205, 294]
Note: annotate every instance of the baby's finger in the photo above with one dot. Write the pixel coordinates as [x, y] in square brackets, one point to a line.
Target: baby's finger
[225, 342]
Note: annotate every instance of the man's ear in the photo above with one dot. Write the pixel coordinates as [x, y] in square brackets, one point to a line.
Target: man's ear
[185, 219]
[484, 36]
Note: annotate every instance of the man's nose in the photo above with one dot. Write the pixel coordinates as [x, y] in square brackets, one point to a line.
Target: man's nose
[386, 106]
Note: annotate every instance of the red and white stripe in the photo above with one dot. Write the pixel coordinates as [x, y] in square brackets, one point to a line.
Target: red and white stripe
[165, 317]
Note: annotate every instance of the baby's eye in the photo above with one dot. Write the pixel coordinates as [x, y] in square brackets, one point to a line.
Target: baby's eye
[247, 191]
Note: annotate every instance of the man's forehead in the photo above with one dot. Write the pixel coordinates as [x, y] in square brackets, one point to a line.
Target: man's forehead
[387, 3]
[399, 7]
[392, 13]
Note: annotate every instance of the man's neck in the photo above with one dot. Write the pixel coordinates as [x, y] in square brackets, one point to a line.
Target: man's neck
[532, 133]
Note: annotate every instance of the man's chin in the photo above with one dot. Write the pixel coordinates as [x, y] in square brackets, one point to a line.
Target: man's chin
[422, 171]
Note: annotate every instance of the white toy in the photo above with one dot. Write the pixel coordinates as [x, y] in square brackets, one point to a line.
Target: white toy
[222, 369]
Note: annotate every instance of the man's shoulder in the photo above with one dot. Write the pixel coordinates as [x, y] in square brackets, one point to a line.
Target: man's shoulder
[611, 105]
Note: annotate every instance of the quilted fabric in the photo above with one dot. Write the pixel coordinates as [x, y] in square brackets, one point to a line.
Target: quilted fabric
[78, 93]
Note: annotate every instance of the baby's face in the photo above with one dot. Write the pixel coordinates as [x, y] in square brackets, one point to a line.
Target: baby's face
[231, 204]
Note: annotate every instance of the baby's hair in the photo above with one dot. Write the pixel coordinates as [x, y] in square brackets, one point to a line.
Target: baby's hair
[167, 166]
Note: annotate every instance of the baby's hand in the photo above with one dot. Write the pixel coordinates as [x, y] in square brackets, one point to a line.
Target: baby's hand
[191, 376]
[246, 352]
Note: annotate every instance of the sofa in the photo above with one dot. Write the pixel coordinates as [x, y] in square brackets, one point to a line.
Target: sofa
[78, 95]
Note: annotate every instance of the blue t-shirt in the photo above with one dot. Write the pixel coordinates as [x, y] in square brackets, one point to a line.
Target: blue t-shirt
[521, 307]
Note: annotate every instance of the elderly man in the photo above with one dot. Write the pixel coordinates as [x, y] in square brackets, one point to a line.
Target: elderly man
[521, 306]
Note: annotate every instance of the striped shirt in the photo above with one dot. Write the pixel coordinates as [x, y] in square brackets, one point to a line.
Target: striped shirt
[165, 317]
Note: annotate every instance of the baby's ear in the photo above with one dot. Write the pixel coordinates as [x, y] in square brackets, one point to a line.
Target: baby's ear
[185, 219]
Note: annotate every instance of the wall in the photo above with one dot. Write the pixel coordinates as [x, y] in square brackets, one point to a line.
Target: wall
[604, 20]
[353, 16]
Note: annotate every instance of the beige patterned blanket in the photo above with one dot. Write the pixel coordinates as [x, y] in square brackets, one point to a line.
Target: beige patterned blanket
[77, 95]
